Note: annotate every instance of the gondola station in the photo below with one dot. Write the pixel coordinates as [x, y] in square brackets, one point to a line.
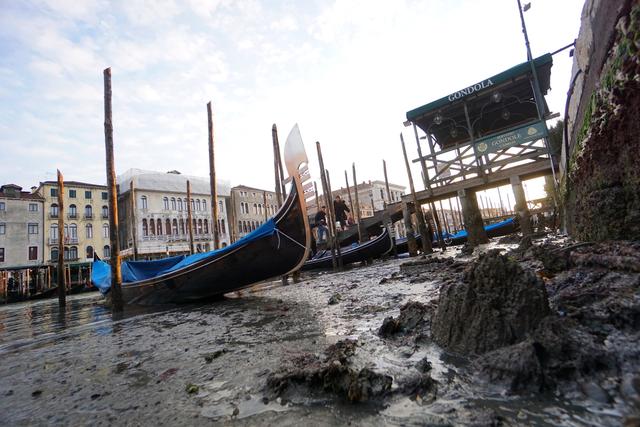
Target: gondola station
[482, 136]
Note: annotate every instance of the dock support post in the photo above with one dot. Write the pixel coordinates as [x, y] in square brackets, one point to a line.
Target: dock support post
[362, 233]
[411, 237]
[212, 180]
[522, 209]
[61, 282]
[472, 218]
[190, 218]
[134, 229]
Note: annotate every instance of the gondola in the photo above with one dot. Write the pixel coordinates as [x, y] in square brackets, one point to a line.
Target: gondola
[497, 229]
[280, 246]
[374, 248]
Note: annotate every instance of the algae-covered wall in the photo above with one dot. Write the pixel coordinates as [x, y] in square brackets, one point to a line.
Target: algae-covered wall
[601, 157]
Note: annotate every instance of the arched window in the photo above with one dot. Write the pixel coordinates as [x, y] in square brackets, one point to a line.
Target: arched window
[244, 226]
[173, 203]
[239, 226]
[73, 231]
[105, 212]
[152, 226]
[195, 226]
[66, 231]
[106, 251]
[175, 227]
[89, 252]
[204, 205]
[143, 202]
[88, 211]
[105, 231]
[167, 227]
[255, 209]
[145, 228]
[199, 226]
[53, 232]
[223, 230]
[193, 205]
[73, 211]
[179, 204]
[66, 253]
[206, 226]
[182, 231]
[89, 231]
[159, 227]
[54, 254]
[260, 208]
[73, 252]
[198, 204]
[165, 203]
[54, 211]
[220, 206]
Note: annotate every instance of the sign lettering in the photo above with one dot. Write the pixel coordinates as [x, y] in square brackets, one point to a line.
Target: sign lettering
[514, 137]
[470, 90]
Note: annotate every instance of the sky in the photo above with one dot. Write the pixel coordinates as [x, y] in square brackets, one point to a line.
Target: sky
[345, 71]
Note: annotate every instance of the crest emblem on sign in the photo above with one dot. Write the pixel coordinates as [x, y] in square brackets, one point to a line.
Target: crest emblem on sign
[532, 131]
[482, 147]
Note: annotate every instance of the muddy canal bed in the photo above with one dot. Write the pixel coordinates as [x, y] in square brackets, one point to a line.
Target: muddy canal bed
[310, 353]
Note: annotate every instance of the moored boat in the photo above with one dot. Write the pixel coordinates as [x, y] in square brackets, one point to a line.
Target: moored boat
[371, 249]
[280, 246]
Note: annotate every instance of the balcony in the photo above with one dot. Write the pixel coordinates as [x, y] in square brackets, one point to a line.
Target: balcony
[52, 240]
[105, 216]
[53, 215]
[88, 216]
[72, 216]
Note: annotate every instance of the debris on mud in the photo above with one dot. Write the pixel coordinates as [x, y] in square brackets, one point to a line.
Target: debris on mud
[497, 304]
[334, 299]
[412, 315]
[331, 374]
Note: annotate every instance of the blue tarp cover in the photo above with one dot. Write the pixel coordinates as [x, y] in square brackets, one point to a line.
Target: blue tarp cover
[135, 271]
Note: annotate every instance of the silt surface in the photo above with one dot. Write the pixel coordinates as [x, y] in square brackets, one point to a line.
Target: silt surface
[210, 363]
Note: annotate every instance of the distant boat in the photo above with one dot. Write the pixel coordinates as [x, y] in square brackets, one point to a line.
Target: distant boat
[497, 229]
[374, 248]
[280, 246]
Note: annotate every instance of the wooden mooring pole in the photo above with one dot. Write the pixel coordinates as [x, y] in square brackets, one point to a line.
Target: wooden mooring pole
[335, 230]
[331, 219]
[276, 144]
[361, 232]
[116, 273]
[134, 228]
[426, 240]
[190, 218]
[61, 279]
[346, 180]
[386, 180]
[276, 164]
[212, 181]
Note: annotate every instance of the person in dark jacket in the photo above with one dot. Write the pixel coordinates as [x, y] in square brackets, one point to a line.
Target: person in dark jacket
[341, 210]
[321, 224]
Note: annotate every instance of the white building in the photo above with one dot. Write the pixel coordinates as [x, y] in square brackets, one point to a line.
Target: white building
[21, 227]
[160, 213]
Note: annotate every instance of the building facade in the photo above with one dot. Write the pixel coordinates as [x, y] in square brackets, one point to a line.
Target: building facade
[154, 222]
[250, 208]
[21, 227]
[86, 221]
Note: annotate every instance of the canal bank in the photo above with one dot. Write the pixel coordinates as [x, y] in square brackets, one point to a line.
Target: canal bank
[318, 352]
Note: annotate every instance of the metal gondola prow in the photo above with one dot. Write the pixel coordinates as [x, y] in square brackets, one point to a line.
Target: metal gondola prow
[296, 162]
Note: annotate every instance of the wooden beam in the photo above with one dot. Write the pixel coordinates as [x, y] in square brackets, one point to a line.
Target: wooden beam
[61, 278]
[212, 180]
[116, 273]
[276, 164]
[358, 215]
[190, 218]
[134, 226]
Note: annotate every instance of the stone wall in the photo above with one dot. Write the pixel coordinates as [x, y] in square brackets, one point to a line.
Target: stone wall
[600, 170]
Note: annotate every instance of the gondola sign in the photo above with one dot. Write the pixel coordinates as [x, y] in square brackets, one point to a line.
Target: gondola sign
[514, 137]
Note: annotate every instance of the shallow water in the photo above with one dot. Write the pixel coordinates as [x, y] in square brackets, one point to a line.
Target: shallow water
[82, 366]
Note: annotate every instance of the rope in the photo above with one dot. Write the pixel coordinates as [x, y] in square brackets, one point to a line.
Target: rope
[290, 238]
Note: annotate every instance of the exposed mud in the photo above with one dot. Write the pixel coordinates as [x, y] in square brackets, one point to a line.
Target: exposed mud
[286, 356]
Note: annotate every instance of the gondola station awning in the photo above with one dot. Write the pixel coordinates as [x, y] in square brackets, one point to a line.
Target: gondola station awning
[498, 104]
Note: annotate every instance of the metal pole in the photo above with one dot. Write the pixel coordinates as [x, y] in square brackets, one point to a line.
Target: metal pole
[212, 180]
[426, 240]
[116, 273]
[189, 218]
[61, 279]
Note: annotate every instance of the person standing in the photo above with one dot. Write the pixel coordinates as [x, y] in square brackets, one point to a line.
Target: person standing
[321, 224]
[341, 209]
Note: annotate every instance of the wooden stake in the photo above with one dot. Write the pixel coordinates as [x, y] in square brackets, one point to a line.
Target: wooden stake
[212, 180]
[331, 219]
[61, 282]
[116, 273]
[276, 166]
[426, 240]
[189, 218]
[358, 215]
[315, 190]
[335, 230]
[346, 180]
[276, 146]
[386, 180]
[266, 215]
[134, 226]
